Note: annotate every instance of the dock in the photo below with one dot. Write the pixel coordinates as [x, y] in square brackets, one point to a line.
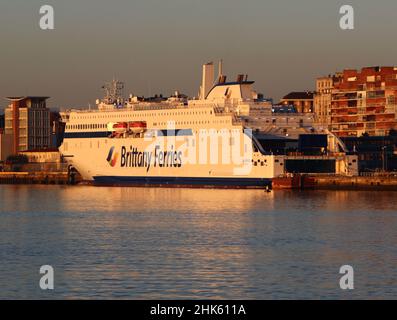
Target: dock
[365, 181]
[301, 182]
[369, 182]
[37, 178]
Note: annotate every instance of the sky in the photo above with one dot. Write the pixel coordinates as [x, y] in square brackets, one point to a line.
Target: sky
[159, 46]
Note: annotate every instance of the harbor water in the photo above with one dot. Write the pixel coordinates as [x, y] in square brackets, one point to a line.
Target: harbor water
[158, 243]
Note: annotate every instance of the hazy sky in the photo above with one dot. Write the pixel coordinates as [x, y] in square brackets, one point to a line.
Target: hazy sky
[158, 46]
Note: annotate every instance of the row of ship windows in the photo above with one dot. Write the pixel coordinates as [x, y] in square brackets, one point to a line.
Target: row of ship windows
[86, 126]
[191, 122]
[104, 126]
[134, 115]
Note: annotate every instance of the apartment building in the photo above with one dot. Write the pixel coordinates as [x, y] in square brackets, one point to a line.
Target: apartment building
[364, 102]
[27, 120]
[323, 98]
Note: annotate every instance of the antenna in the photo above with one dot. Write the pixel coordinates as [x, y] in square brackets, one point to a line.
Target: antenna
[113, 91]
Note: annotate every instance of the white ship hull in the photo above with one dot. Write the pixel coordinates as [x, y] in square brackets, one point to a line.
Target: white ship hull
[135, 161]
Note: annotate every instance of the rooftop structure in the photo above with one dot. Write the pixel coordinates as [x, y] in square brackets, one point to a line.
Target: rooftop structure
[302, 101]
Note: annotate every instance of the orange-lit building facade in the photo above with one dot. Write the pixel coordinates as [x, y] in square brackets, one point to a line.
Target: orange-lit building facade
[364, 102]
[302, 101]
[27, 120]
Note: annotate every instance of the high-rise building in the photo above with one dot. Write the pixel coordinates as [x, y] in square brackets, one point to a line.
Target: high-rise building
[364, 102]
[27, 120]
[5, 142]
[323, 97]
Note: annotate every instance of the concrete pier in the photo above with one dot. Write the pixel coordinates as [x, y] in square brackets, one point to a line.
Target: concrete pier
[36, 178]
[370, 182]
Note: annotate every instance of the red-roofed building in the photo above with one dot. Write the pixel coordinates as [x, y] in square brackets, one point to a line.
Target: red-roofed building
[302, 101]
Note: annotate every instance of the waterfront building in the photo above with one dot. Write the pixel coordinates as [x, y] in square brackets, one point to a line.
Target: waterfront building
[302, 101]
[364, 102]
[312, 153]
[27, 120]
[5, 145]
[375, 153]
[323, 98]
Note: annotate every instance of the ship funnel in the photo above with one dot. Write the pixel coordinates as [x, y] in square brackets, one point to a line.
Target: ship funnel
[208, 79]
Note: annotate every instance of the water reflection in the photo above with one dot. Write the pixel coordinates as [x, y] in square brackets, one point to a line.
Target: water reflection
[194, 243]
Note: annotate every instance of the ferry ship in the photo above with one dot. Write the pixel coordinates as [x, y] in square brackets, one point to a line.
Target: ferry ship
[177, 141]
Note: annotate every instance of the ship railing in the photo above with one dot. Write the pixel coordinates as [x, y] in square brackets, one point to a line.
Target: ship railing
[385, 174]
[141, 107]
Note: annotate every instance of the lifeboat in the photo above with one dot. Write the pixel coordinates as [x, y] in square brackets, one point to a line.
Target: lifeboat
[137, 126]
[120, 127]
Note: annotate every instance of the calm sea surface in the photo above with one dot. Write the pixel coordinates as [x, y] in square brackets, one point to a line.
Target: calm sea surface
[136, 243]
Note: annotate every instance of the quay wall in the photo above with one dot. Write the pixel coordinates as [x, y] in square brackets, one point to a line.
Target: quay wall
[300, 182]
[354, 183]
[37, 178]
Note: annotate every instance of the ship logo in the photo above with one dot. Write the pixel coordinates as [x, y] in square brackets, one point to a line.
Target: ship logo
[112, 157]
